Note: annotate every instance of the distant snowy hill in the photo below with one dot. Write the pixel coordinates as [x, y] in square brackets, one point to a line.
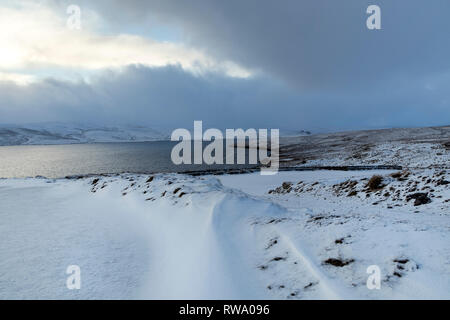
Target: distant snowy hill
[56, 133]
[62, 133]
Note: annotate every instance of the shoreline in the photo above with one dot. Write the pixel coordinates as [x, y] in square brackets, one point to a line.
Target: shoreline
[217, 172]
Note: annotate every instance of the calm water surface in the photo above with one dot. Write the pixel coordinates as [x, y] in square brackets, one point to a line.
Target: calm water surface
[64, 160]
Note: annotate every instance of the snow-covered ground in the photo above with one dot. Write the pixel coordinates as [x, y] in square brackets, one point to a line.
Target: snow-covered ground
[295, 235]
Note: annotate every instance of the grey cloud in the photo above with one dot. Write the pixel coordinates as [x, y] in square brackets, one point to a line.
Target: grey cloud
[311, 44]
[171, 97]
[321, 68]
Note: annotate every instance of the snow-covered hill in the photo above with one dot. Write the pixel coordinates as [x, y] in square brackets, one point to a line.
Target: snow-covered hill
[408, 147]
[57, 133]
[68, 133]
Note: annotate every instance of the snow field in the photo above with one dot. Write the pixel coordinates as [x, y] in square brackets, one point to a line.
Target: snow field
[173, 236]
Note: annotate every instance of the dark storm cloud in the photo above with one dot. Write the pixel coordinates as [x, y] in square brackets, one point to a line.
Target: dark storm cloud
[313, 44]
[170, 97]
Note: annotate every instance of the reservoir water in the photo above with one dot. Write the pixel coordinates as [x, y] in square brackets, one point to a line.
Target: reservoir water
[56, 161]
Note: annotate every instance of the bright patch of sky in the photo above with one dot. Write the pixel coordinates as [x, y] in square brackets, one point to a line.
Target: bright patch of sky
[40, 44]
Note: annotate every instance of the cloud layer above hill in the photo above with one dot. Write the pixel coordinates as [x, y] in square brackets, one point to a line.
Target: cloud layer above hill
[292, 64]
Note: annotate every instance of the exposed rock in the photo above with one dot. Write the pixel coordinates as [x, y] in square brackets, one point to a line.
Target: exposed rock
[442, 182]
[176, 190]
[419, 198]
[338, 262]
[286, 185]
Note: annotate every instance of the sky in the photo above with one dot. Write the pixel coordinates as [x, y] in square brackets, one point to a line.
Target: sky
[290, 64]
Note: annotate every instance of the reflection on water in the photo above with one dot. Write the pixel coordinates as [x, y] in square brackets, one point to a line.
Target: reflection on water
[64, 160]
